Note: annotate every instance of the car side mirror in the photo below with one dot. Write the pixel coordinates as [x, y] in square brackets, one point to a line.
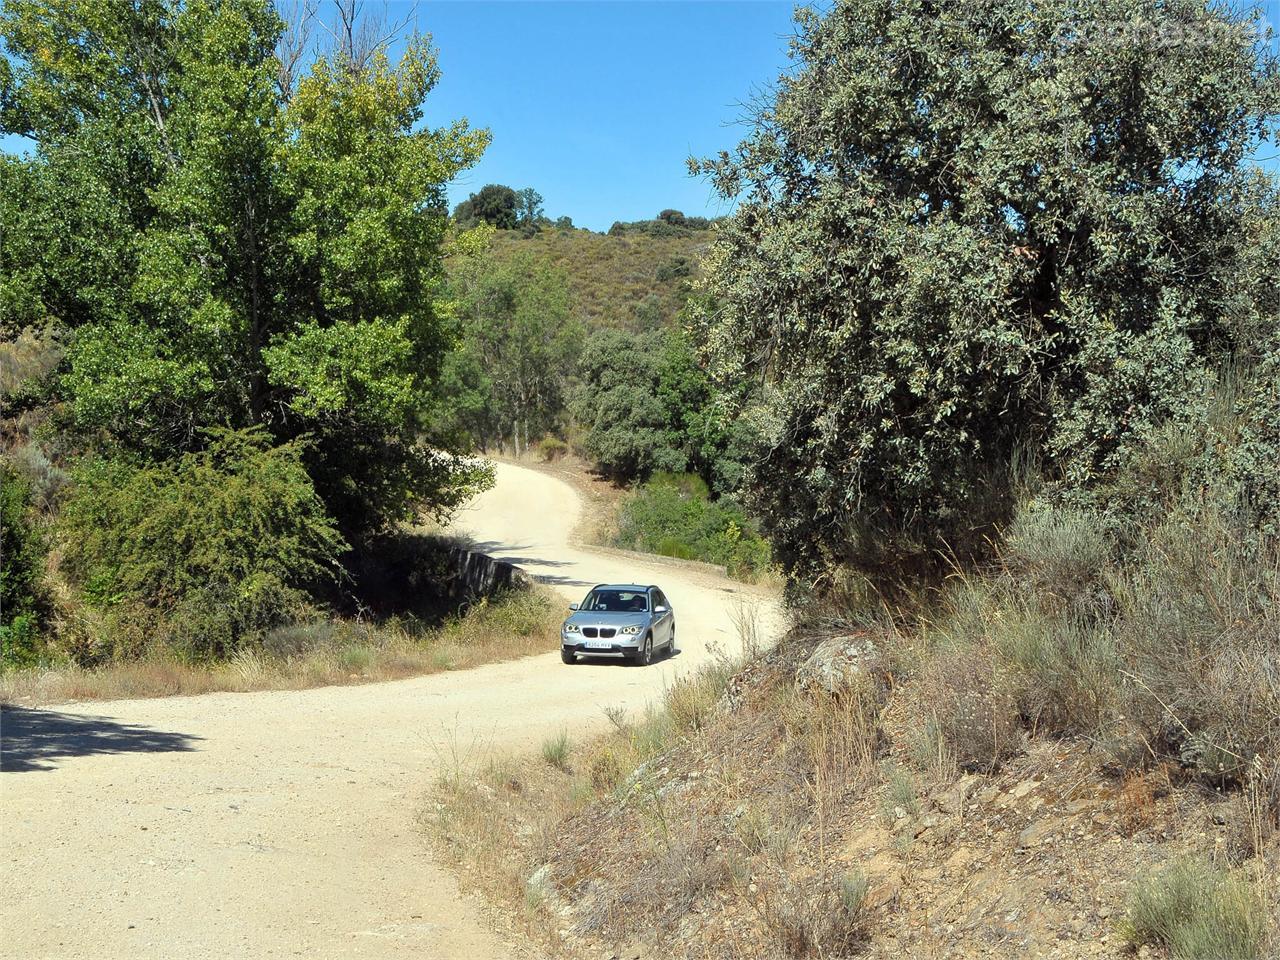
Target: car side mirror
[573, 606]
[659, 609]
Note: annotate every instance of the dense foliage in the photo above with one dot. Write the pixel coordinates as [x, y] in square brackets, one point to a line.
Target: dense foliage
[645, 404]
[673, 515]
[227, 542]
[223, 242]
[502, 208]
[493, 204]
[1011, 280]
[229, 256]
[22, 550]
[519, 343]
[668, 223]
[976, 240]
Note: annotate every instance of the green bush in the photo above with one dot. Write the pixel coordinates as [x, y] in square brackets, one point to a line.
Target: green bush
[22, 553]
[220, 545]
[672, 515]
[551, 449]
[1197, 912]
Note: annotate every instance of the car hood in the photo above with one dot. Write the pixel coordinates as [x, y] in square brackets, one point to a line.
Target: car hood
[594, 618]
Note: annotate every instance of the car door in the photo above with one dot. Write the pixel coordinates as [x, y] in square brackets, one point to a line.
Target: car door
[665, 621]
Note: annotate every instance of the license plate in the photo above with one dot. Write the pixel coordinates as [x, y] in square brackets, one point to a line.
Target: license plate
[599, 644]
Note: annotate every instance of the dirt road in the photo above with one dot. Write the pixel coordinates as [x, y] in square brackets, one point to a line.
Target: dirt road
[283, 823]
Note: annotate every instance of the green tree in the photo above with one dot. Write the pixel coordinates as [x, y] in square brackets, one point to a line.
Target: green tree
[494, 204]
[647, 405]
[529, 211]
[519, 333]
[969, 233]
[230, 257]
[628, 433]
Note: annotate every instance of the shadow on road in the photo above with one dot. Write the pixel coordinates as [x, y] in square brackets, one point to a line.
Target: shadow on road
[533, 566]
[551, 580]
[588, 660]
[37, 739]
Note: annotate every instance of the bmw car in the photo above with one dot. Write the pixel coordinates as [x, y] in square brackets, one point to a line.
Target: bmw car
[619, 620]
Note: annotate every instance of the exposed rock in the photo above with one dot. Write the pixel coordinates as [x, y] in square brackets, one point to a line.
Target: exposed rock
[884, 876]
[836, 664]
[1023, 789]
[953, 800]
[960, 860]
[1038, 831]
[867, 841]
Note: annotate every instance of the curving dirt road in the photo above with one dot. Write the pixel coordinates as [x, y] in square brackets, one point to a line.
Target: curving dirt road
[283, 823]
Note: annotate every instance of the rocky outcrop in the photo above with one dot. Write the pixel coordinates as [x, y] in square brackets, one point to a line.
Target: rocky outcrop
[838, 663]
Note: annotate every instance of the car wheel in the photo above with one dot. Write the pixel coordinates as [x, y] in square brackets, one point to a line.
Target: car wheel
[568, 656]
[671, 641]
[644, 656]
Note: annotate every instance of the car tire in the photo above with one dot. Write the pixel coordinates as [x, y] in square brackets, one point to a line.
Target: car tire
[644, 655]
[568, 656]
[671, 641]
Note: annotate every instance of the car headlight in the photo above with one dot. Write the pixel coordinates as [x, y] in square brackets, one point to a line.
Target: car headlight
[570, 628]
[629, 631]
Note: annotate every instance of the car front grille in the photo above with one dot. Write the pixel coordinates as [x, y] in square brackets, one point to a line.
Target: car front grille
[593, 632]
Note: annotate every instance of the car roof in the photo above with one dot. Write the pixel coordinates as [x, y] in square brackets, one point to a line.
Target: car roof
[622, 586]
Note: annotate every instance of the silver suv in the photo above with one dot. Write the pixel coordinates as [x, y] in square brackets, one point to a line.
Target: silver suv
[620, 620]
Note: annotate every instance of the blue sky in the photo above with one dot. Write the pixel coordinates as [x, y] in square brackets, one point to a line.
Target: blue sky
[597, 105]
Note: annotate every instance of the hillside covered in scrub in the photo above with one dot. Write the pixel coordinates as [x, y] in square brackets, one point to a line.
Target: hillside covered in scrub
[1006, 286]
[632, 279]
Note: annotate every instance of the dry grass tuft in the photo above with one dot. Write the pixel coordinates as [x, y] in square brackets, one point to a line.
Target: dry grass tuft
[971, 707]
[330, 653]
[827, 918]
[555, 750]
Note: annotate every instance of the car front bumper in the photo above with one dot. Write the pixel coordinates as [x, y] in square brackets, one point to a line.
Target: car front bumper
[616, 648]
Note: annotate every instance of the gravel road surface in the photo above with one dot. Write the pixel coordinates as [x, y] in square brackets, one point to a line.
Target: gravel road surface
[285, 823]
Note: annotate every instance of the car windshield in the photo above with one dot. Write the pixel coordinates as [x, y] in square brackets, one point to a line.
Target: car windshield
[616, 601]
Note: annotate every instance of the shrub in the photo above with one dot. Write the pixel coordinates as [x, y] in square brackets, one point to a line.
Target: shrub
[672, 515]
[223, 543]
[1060, 552]
[900, 792]
[1153, 630]
[1198, 620]
[609, 276]
[514, 612]
[646, 405]
[551, 449]
[972, 708]
[22, 553]
[691, 697]
[673, 269]
[1065, 675]
[827, 919]
[1197, 912]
